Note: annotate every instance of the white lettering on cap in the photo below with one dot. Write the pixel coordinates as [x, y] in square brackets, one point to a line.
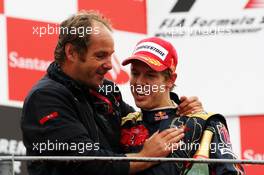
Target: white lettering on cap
[153, 48]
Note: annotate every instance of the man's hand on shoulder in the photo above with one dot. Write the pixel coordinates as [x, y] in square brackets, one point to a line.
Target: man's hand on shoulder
[189, 105]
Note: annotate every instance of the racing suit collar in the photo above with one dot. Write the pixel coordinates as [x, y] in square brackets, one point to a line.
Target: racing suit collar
[157, 115]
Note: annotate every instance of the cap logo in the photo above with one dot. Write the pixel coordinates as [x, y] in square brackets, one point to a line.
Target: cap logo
[152, 61]
[153, 48]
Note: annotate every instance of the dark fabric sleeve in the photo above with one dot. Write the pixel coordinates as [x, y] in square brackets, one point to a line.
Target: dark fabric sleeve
[221, 148]
[125, 108]
[64, 128]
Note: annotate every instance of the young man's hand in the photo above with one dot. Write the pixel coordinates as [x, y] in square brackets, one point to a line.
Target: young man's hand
[158, 145]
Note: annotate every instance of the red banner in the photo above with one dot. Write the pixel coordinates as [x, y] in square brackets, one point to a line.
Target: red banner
[1, 6]
[128, 15]
[252, 143]
[30, 51]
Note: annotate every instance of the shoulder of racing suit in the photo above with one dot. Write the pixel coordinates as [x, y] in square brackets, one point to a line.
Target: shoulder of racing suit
[209, 117]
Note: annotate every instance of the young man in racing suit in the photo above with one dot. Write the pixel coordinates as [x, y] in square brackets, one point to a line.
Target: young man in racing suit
[153, 66]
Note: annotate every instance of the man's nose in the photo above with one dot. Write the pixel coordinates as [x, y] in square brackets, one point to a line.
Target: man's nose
[140, 79]
[108, 64]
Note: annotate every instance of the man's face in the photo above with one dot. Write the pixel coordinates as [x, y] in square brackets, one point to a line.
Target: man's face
[149, 88]
[97, 61]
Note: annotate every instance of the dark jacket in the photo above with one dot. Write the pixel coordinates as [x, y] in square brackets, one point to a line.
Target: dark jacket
[59, 118]
[138, 126]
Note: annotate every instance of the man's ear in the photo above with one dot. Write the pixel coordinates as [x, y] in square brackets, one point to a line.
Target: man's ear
[70, 52]
[172, 80]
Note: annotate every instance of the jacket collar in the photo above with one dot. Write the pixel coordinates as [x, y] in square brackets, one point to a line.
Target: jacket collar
[55, 72]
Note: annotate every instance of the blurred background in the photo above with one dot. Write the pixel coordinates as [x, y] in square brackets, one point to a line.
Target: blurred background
[218, 44]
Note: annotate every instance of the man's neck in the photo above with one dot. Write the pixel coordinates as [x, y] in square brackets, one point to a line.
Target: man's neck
[170, 105]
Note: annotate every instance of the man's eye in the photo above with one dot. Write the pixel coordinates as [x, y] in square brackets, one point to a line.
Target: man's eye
[150, 75]
[101, 55]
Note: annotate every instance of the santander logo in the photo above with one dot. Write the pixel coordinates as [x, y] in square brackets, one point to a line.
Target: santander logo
[16, 61]
[23, 73]
[116, 74]
[250, 154]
